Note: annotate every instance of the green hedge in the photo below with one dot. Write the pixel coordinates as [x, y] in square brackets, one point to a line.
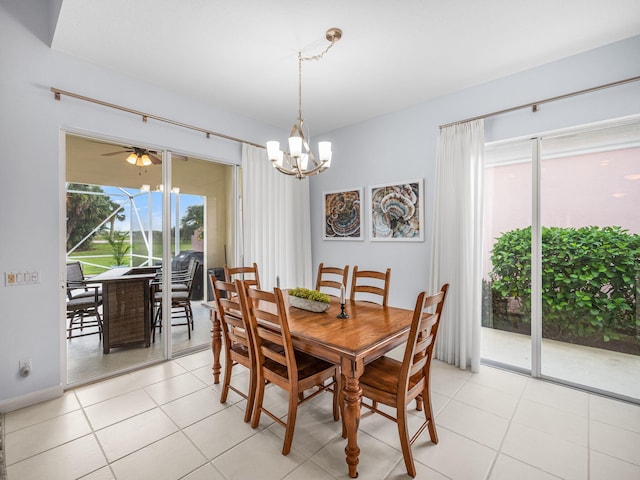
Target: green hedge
[590, 279]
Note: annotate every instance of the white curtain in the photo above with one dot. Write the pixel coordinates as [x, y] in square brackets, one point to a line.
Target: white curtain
[276, 225]
[457, 242]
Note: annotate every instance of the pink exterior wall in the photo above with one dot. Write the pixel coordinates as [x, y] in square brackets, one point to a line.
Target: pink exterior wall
[594, 189]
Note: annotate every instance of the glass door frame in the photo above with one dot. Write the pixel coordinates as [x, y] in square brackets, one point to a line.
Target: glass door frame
[166, 351]
[536, 337]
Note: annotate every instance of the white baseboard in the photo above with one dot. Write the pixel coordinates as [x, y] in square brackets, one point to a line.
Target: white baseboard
[32, 398]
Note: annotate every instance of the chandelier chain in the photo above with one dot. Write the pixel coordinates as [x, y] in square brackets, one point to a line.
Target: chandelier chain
[300, 155]
[301, 59]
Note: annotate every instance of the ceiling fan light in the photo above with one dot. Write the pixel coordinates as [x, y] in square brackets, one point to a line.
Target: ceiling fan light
[145, 160]
[132, 158]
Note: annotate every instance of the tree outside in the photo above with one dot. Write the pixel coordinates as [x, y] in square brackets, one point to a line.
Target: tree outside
[85, 211]
[192, 220]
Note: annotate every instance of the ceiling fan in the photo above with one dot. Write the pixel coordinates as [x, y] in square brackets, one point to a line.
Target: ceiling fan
[140, 157]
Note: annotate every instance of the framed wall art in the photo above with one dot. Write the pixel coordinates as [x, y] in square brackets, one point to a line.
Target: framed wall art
[343, 215]
[397, 211]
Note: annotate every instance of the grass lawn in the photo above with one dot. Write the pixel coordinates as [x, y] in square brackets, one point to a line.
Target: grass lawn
[102, 257]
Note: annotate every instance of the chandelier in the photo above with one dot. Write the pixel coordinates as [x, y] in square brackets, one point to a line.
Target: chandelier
[300, 160]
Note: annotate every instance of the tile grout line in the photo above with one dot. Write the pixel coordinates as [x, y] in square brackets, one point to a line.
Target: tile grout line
[513, 414]
[95, 437]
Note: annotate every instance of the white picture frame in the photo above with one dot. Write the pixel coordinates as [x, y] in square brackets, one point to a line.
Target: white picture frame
[396, 211]
[342, 214]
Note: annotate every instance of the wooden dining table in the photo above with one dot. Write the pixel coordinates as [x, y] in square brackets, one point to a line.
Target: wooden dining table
[370, 331]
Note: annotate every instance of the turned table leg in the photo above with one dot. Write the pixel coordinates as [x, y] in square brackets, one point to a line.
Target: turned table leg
[216, 345]
[352, 394]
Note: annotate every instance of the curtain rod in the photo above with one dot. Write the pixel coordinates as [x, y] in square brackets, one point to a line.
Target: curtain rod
[534, 105]
[145, 116]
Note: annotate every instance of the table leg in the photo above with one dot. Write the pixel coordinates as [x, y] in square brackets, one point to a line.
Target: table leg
[352, 401]
[216, 345]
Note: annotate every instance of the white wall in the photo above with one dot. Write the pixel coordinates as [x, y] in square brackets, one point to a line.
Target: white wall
[32, 176]
[402, 146]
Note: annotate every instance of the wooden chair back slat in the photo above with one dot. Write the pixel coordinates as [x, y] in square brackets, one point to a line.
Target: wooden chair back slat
[266, 308]
[237, 340]
[418, 353]
[371, 282]
[276, 361]
[396, 384]
[332, 277]
[249, 274]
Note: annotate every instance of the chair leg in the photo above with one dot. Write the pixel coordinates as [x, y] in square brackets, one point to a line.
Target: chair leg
[291, 423]
[155, 324]
[428, 415]
[187, 310]
[251, 395]
[404, 440]
[257, 405]
[158, 320]
[228, 366]
[99, 324]
[419, 403]
[69, 329]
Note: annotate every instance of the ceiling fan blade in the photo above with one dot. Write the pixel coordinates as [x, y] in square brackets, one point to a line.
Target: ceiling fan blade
[155, 160]
[115, 153]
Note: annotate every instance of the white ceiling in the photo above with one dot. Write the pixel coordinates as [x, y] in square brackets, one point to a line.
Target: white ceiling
[241, 55]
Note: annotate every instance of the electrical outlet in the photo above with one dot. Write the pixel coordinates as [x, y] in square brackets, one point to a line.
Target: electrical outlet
[24, 367]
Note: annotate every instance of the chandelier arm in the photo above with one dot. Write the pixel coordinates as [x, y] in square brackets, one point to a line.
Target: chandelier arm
[300, 173]
[282, 169]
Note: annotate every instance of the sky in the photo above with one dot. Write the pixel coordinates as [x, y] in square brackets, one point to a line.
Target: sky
[143, 203]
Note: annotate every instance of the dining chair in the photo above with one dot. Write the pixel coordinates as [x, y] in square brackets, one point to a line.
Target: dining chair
[180, 302]
[396, 383]
[371, 282]
[332, 277]
[238, 347]
[179, 278]
[83, 312]
[83, 303]
[240, 273]
[292, 370]
[77, 284]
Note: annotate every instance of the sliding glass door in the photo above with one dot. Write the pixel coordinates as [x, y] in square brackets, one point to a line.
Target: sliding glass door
[562, 268]
[590, 241]
[506, 285]
[119, 217]
[202, 227]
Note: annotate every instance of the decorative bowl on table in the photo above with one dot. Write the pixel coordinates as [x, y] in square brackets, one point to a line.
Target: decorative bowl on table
[310, 300]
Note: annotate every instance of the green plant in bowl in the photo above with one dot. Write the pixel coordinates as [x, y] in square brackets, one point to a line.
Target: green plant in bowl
[313, 295]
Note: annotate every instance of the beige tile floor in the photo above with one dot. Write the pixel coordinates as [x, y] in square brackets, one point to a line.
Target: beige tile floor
[166, 422]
